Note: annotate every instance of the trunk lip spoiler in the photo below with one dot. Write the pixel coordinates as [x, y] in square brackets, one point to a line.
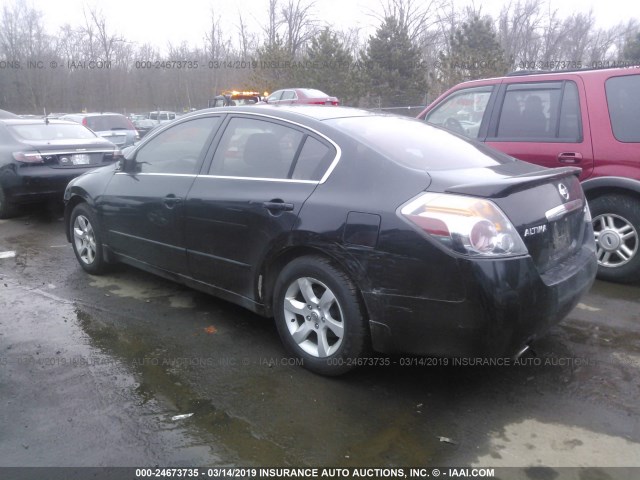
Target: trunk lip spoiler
[506, 186]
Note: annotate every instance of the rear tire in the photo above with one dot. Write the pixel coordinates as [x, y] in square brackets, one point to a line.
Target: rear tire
[616, 224]
[319, 316]
[86, 239]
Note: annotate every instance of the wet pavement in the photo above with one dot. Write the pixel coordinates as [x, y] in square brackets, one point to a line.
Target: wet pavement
[95, 370]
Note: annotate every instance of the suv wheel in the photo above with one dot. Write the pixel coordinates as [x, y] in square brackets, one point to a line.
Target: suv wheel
[319, 316]
[616, 225]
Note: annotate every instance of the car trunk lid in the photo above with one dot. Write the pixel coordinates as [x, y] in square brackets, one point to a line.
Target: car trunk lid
[545, 206]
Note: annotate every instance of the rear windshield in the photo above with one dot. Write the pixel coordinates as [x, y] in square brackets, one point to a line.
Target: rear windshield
[53, 131]
[417, 145]
[310, 92]
[108, 122]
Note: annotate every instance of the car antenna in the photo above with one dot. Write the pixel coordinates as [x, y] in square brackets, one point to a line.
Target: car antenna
[46, 119]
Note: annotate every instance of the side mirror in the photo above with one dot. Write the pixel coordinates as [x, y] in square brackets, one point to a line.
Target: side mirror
[129, 164]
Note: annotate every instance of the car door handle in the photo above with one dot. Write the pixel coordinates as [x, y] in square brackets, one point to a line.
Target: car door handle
[570, 157]
[278, 206]
[171, 200]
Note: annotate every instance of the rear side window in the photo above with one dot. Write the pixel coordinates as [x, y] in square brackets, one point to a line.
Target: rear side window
[313, 161]
[623, 99]
[543, 111]
[463, 111]
[417, 145]
[256, 149]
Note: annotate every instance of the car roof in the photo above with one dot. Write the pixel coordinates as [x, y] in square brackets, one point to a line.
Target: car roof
[293, 112]
[6, 114]
[551, 74]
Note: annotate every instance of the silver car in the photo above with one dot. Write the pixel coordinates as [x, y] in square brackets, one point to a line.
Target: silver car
[116, 128]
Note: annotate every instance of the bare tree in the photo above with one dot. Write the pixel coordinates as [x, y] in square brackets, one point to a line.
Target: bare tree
[248, 42]
[299, 23]
[24, 41]
[417, 16]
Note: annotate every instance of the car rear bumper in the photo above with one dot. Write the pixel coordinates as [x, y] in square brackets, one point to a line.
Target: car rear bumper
[37, 183]
[506, 306]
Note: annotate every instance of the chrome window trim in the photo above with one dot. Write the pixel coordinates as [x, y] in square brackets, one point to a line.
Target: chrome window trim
[221, 177]
[223, 111]
[261, 179]
[331, 167]
[157, 174]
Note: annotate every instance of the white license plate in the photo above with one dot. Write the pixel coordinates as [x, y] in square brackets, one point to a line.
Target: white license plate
[81, 159]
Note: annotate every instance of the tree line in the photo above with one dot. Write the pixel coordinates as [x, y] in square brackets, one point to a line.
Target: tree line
[418, 50]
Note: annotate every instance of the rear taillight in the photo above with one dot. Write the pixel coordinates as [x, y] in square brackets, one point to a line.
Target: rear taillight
[28, 157]
[85, 122]
[467, 225]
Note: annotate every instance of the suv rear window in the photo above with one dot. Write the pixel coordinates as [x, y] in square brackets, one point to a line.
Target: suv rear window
[108, 122]
[415, 144]
[623, 99]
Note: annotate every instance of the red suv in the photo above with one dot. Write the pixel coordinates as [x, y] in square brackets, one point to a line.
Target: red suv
[588, 119]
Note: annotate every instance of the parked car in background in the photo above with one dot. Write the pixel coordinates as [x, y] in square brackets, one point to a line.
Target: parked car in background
[355, 230]
[38, 158]
[162, 116]
[6, 114]
[589, 119]
[116, 128]
[303, 96]
[231, 98]
[143, 124]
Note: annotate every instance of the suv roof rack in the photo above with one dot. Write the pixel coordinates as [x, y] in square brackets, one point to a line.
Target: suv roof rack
[517, 73]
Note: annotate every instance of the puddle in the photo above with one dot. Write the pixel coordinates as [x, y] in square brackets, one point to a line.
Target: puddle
[123, 285]
[159, 372]
[527, 443]
[57, 383]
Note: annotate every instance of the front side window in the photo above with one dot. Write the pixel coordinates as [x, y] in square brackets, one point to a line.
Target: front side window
[463, 111]
[623, 99]
[275, 96]
[289, 95]
[256, 149]
[177, 149]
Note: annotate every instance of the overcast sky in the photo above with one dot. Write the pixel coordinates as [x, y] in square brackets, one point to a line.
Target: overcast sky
[162, 21]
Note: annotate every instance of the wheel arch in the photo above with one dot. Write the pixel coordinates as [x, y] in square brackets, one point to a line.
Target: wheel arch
[70, 204]
[601, 186]
[273, 265]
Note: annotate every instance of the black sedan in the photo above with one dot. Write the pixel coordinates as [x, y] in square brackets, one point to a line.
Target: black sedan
[38, 157]
[357, 231]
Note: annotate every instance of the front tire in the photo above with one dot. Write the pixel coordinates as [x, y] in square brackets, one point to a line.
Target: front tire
[319, 316]
[616, 225]
[86, 239]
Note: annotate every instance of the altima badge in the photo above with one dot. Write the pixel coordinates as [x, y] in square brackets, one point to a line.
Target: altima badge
[563, 191]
